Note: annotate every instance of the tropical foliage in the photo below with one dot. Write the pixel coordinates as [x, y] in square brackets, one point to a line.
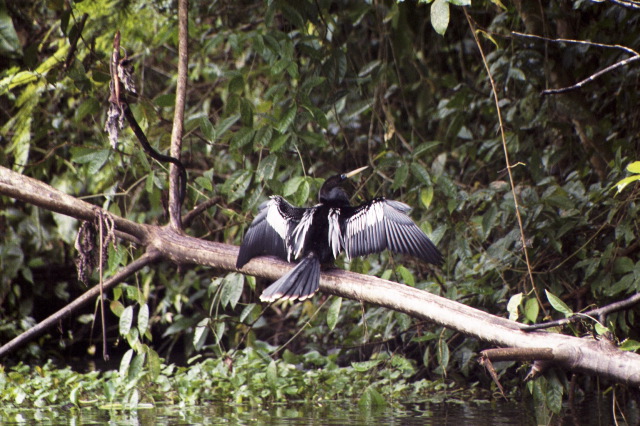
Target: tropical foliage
[285, 93]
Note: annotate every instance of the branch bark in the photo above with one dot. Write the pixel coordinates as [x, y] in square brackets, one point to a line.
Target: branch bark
[582, 355]
[175, 198]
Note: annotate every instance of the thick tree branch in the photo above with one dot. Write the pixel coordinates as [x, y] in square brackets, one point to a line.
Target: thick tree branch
[40, 194]
[175, 199]
[584, 355]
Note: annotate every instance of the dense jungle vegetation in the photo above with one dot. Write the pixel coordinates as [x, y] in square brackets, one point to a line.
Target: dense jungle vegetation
[282, 94]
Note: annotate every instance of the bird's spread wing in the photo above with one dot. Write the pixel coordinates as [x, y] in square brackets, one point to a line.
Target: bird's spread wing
[383, 224]
[296, 239]
[268, 232]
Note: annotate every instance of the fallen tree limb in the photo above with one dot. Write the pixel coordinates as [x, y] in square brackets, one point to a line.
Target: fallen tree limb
[582, 355]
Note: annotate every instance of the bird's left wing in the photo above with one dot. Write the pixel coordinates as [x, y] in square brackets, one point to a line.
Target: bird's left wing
[383, 224]
[268, 232]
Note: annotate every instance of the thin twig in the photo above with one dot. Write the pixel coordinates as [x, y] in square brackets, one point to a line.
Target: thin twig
[175, 198]
[494, 90]
[635, 57]
[105, 355]
[605, 310]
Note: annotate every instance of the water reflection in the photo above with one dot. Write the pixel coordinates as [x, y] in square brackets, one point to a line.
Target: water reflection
[331, 413]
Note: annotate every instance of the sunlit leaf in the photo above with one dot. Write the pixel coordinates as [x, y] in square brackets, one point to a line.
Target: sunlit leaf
[365, 365]
[634, 167]
[334, 312]
[126, 319]
[143, 319]
[531, 309]
[512, 306]
[125, 362]
[558, 304]
[440, 16]
[200, 334]
[426, 196]
[630, 345]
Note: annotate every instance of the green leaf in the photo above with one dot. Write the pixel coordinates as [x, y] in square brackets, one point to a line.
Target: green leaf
[443, 353]
[400, 176]
[204, 183]
[95, 158]
[440, 16]
[267, 168]
[278, 142]
[126, 319]
[200, 334]
[225, 124]
[334, 313]
[368, 68]
[9, 42]
[245, 315]
[554, 393]
[236, 185]
[302, 194]
[630, 345]
[621, 184]
[489, 219]
[236, 84]
[512, 306]
[287, 119]
[242, 137]
[263, 136]
[219, 331]
[207, 129]
[87, 107]
[135, 368]
[370, 397]
[558, 304]
[116, 307]
[426, 196]
[531, 309]
[232, 286]
[166, 100]
[125, 362]
[634, 167]
[361, 367]
[272, 374]
[407, 276]
[421, 173]
[292, 185]
[143, 319]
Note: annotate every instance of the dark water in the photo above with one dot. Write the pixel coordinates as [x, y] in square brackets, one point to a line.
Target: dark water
[333, 413]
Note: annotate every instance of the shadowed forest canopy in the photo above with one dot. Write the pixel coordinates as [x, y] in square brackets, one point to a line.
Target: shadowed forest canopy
[283, 94]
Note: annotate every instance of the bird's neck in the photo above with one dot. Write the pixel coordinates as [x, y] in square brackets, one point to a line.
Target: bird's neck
[335, 197]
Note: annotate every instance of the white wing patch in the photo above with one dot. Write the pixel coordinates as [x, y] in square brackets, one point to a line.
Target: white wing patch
[275, 218]
[295, 243]
[335, 234]
[363, 229]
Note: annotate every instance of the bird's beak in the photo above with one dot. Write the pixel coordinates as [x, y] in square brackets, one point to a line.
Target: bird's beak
[355, 172]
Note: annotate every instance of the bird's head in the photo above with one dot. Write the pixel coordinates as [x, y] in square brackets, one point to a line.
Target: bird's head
[331, 191]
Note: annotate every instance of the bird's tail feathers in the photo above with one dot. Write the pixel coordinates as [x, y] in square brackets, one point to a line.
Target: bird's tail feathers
[300, 283]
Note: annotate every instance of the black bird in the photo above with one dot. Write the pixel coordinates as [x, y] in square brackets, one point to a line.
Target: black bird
[316, 235]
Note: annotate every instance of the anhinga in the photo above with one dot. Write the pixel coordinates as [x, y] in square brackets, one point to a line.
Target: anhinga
[316, 235]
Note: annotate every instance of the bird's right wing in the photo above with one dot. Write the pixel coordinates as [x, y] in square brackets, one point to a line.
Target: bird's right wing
[268, 232]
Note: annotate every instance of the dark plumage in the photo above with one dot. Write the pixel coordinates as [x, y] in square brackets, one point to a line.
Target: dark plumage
[316, 235]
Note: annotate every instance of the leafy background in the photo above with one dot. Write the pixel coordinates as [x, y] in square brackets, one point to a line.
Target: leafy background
[283, 94]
